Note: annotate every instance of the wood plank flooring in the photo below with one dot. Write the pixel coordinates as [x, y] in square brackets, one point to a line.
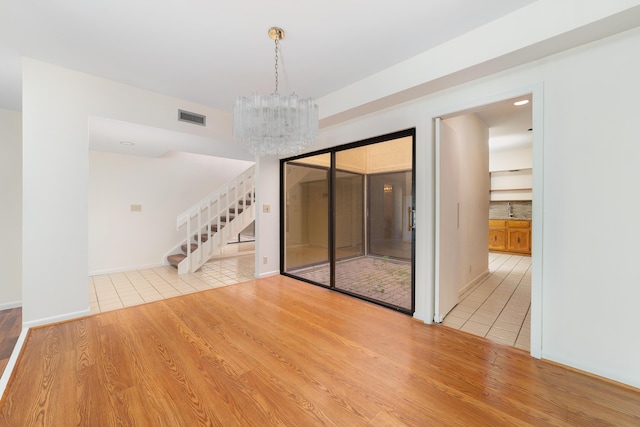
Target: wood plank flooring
[277, 351]
[10, 328]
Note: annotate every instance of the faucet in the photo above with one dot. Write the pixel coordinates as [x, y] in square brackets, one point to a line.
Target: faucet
[509, 210]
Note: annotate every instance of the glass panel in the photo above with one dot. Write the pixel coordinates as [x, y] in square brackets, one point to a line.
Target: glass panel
[390, 214]
[307, 217]
[390, 239]
[349, 208]
[382, 273]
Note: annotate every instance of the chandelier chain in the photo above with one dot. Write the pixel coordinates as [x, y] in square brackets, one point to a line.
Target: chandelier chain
[276, 66]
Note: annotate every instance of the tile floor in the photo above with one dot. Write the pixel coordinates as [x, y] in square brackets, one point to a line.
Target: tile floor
[118, 290]
[499, 307]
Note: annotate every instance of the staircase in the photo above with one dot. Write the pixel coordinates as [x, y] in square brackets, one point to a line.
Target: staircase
[213, 221]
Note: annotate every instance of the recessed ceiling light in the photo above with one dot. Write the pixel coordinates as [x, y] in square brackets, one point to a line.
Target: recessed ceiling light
[127, 143]
[521, 102]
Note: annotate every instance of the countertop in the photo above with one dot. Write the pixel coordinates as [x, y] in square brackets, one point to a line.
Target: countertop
[511, 218]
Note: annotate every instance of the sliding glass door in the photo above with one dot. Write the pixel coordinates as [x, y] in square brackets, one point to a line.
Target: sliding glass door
[347, 219]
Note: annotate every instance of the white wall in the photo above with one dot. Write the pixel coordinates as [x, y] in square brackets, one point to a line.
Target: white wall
[10, 208]
[57, 105]
[267, 243]
[165, 186]
[588, 159]
[591, 153]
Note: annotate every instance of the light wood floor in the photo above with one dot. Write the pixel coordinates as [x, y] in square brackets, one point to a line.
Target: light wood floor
[10, 328]
[277, 351]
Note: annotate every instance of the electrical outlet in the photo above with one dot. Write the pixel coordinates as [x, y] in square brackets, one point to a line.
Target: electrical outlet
[136, 208]
[266, 208]
[264, 260]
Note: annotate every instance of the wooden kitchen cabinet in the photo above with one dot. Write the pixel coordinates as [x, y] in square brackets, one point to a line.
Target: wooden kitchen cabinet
[519, 236]
[512, 236]
[497, 235]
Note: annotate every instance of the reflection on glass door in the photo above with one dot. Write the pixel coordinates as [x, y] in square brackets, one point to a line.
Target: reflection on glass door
[348, 220]
[349, 191]
[306, 216]
[390, 205]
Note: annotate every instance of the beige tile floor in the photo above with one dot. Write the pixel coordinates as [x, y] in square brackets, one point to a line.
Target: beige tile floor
[118, 290]
[499, 307]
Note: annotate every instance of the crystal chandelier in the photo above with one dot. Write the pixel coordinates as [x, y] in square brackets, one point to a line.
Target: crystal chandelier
[275, 124]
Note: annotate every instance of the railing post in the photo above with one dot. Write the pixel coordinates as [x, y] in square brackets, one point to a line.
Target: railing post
[209, 219]
[188, 239]
[198, 240]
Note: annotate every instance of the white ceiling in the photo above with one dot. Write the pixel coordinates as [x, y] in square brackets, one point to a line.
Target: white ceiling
[211, 51]
[510, 126]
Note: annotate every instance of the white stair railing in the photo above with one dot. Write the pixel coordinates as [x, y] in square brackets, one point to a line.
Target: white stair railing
[219, 216]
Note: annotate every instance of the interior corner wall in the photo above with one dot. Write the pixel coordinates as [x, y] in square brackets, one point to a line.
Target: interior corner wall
[267, 244]
[10, 209]
[588, 155]
[121, 239]
[57, 105]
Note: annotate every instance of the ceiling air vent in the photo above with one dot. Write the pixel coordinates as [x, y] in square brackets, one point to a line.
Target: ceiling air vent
[196, 119]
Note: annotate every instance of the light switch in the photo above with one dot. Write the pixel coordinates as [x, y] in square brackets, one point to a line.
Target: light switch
[266, 208]
[136, 208]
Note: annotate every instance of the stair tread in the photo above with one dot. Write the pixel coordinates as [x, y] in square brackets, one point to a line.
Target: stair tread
[193, 247]
[176, 259]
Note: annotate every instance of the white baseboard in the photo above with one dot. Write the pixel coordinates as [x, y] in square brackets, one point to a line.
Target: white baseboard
[267, 274]
[123, 269]
[472, 283]
[9, 305]
[421, 318]
[8, 370]
[56, 319]
[594, 370]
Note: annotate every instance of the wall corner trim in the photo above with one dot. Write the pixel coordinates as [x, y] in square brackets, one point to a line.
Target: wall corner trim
[56, 319]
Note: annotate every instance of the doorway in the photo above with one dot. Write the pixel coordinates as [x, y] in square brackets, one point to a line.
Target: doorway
[464, 264]
[347, 219]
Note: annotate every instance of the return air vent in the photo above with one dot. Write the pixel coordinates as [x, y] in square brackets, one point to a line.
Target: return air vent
[196, 119]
